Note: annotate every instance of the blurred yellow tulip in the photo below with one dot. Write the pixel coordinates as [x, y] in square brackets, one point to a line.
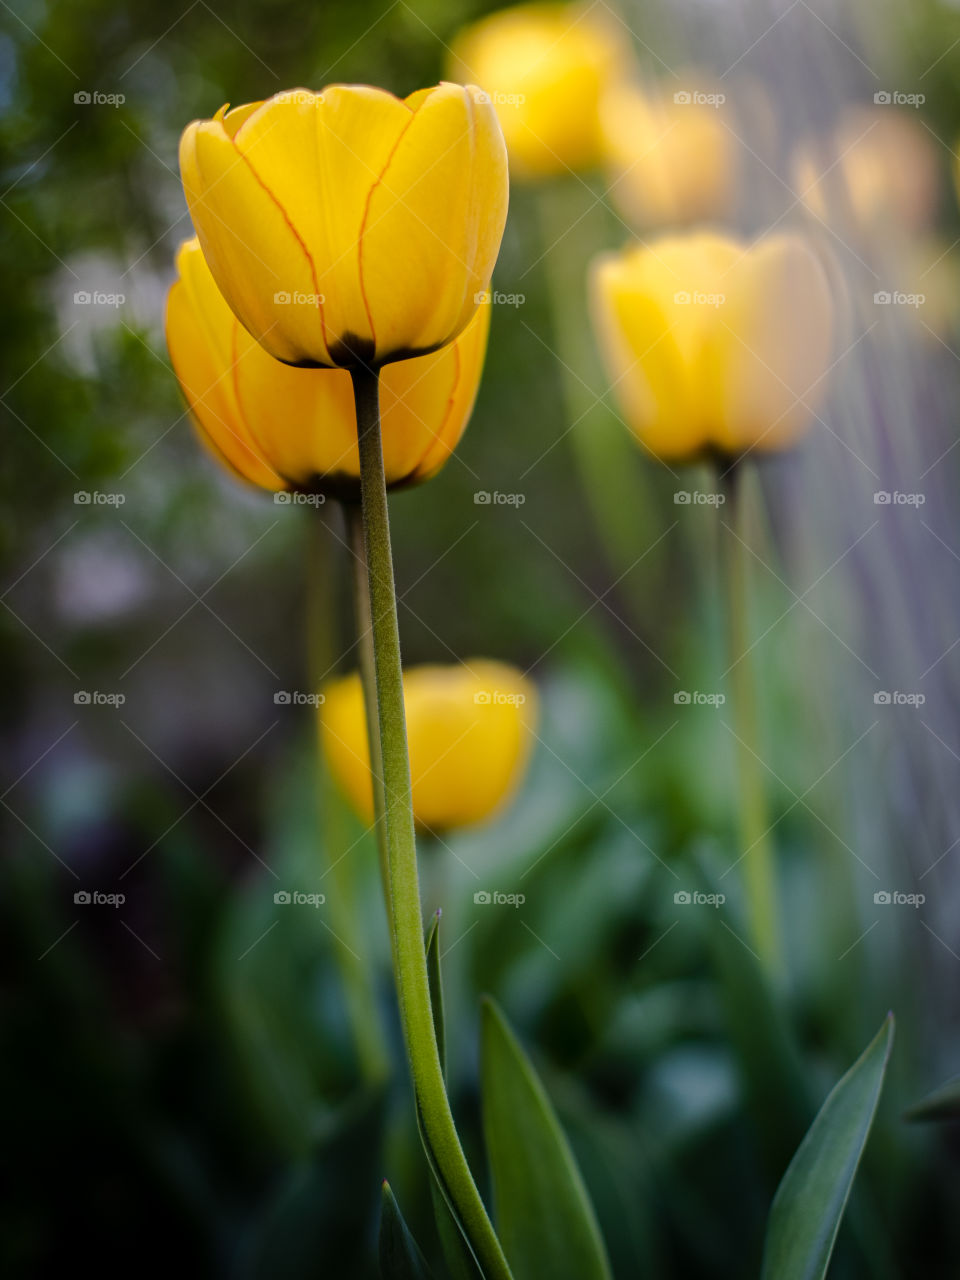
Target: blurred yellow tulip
[877, 171]
[545, 67]
[470, 729]
[285, 428]
[713, 345]
[350, 227]
[673, 160]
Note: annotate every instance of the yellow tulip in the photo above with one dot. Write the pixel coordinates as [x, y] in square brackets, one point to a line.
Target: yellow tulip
[350, 227]
[877, 171]
[285, 428]
[469, 728]
[672, 161]
[714, 345]
[545, 67]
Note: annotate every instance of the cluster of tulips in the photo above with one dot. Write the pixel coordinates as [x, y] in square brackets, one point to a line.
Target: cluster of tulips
[328, 328]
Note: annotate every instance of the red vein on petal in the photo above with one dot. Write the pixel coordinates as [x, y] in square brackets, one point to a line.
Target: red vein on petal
[293, 231]
[366, 214]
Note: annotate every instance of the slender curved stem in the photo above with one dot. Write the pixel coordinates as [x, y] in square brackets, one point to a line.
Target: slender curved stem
[757, 852]
[368, 678]
[402, 885]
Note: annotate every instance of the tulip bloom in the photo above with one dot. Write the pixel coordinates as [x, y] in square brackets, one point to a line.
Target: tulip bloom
[469, 730]
[350, 228]
[879, 171]
[672, 161]
[285, 428]
[545, 66]
[713, 345]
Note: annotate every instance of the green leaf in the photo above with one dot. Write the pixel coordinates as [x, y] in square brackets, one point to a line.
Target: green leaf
[400, 1256]
[436, 989]
[460, 1258]
[543, 1213]
[812, 1196]
[941, 1104]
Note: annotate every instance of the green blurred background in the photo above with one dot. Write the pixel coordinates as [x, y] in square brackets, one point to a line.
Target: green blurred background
[180, 1076]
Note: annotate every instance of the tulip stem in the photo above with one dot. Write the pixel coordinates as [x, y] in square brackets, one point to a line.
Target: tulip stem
[368, 679]
[759, 873]
[402, 889]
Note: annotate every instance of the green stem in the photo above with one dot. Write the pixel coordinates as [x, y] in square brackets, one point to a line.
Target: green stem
[757, 850]
[402, 887]
[358, 986]
[368, 678]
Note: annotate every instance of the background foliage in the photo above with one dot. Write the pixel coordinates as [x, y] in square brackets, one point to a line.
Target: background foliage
[179, 1075]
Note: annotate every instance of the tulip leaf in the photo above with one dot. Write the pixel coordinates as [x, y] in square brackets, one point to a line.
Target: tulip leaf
[460, 1258]
[544, 1217]
[399, 1254]
[436, 988]
[813, 1193]
[940, 1104]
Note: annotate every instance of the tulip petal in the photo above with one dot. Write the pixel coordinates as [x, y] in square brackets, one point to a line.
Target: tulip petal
[258, 256]
[198, 324]
[442, 196]
[775, 345]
